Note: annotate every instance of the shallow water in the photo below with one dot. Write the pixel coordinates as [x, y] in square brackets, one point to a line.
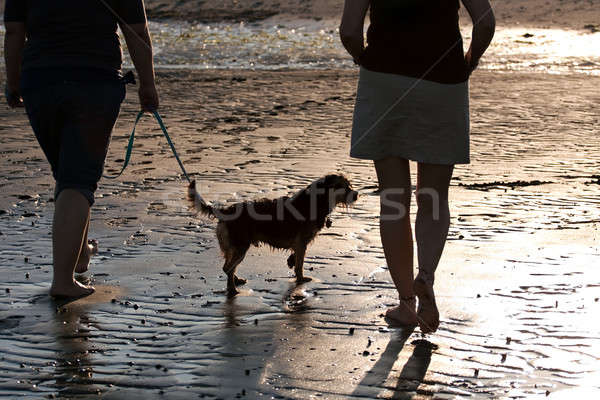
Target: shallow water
[316, 45]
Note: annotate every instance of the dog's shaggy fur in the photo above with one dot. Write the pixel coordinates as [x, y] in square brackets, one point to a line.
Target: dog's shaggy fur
[283, 223]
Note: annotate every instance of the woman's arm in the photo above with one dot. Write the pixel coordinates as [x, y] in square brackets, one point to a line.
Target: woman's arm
[484, 25]
[139, 44]
[14, 42]
[352, 27]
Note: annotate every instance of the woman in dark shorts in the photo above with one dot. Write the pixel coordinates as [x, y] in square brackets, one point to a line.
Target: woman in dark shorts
[413, 104]
[63, 61]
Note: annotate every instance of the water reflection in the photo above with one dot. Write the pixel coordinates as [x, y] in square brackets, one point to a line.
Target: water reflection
[73, 367]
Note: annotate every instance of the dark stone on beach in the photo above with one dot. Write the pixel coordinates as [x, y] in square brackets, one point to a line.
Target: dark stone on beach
[27, 275]
[143, 321]
[365, 353]
[351, 331]
[113, 301]
[255, 322]
[26, 259]
[247, 372]
[528, 35]
[135, 306]
[508, 340]
[7, 290]
[158, 366]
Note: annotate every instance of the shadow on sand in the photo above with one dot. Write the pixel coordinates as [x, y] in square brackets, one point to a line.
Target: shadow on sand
[411, 376]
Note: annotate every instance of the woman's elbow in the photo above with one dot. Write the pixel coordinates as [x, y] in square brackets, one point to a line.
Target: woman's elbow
[348, 35]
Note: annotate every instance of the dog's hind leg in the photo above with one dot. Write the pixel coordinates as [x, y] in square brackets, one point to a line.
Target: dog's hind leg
[232, 260]
[233, 257]
[299, 252]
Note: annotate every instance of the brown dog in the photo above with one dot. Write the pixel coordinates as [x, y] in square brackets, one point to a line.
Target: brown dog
[283, 223]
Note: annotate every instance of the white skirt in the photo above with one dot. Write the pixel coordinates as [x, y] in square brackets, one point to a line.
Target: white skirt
[419, 120]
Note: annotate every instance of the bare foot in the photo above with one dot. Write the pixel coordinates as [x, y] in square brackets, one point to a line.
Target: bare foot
[429, 316]
[403, 314]
[84, 258]
[303, 279]
[239, 281]
[73, 290]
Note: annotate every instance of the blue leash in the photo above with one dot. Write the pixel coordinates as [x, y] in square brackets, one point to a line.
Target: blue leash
[132, 137]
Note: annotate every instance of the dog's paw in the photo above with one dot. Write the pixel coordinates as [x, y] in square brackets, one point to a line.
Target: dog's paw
[291, 261]
[328, 223]
[232, 292]
[239, 281]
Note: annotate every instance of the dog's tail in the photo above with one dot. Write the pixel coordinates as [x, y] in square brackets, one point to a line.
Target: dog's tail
[199, 202]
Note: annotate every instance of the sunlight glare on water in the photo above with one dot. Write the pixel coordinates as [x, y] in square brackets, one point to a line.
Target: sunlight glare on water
[316, 45]
[543, 50]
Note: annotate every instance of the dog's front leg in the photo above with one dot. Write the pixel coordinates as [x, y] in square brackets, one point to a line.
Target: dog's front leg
[299, 265]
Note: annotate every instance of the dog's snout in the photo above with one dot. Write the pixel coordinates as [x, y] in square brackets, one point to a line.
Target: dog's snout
[354, 196]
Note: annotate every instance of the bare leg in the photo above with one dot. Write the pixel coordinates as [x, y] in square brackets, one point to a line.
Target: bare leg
[396, 234]
[88, 249]
[433, 222]
[70, 219]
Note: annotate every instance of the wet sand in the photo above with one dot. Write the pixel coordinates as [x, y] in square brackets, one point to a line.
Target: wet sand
[518, 291]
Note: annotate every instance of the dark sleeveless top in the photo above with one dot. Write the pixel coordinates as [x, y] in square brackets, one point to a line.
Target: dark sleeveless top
[416, 38]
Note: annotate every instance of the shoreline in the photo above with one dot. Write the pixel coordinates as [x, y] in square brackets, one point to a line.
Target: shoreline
[575, 14]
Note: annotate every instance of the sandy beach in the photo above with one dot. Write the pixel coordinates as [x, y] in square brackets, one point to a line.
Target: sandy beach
[517, 286]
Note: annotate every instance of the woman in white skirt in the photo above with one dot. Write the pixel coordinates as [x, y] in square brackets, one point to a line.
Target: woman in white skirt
[413, 104]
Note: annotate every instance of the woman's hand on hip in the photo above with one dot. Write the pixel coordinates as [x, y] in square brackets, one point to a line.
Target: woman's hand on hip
[148, 98]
